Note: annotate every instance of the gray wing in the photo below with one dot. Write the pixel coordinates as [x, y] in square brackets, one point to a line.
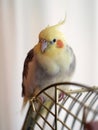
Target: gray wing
[25, 68]
[73, 61]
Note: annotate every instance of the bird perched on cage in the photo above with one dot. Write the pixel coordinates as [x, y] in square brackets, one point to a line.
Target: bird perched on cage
[50, 61]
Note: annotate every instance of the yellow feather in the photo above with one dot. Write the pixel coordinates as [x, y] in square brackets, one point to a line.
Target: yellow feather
[53, 31]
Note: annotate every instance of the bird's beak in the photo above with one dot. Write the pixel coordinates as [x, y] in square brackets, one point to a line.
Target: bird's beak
[44, 45]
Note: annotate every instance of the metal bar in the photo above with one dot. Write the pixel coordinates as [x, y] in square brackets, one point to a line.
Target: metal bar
[32, 127]
[75, 95]
[95, 114]
[63, 124]
[45, 120]
[68, 83]
[81, 89]
[60, 108]
[81, 106]
[48, 109]
[47, 117]
[91, 103]
[62, 103]
[81, 103]
[71, 106]
[69, 112]
[56, 111]
[49, 96]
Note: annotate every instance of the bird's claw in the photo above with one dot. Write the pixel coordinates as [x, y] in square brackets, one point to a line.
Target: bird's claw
[61, 96]
[32, 100]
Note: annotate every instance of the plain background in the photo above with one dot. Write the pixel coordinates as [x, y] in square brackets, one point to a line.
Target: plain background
[20, 23]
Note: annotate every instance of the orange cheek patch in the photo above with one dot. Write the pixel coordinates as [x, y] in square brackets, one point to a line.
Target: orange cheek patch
[60, 44]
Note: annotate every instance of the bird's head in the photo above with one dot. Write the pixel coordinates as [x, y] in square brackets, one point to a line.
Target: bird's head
[52, 37]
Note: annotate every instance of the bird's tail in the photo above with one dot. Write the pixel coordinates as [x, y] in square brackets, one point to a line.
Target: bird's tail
[25, 101]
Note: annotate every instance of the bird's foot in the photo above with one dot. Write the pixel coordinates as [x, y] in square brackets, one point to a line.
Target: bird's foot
[42, 99]
[61, 96]
[34, 99]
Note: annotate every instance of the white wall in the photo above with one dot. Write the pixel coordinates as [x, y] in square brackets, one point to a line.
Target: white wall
[20, 23]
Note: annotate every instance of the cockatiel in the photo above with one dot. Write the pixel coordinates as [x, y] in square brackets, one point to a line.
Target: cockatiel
[50, 61]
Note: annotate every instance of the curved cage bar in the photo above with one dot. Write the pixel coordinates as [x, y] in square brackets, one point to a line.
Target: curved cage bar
[75, 111]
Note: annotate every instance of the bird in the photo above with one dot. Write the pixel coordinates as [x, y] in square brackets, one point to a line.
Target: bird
[50, 61]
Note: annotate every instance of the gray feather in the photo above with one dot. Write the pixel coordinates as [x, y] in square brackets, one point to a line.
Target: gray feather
[26, 69]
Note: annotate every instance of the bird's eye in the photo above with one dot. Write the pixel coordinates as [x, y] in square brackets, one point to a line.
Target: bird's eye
[54, 40]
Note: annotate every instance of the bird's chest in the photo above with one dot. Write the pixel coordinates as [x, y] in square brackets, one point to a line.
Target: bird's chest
[52, 65]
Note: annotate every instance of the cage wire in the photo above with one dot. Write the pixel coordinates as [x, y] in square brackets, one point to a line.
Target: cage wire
[78, 110]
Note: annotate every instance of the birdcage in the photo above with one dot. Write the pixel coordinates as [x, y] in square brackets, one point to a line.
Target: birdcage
[78, 110]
